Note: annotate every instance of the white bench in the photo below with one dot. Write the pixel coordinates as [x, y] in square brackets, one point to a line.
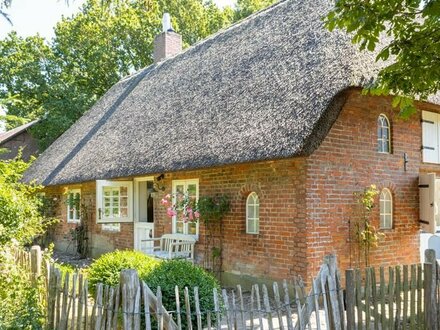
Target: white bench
[173, 246]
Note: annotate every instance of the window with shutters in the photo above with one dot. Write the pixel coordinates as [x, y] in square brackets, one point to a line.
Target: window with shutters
[386, 209]
[383, 134]
[430, 137]
[252, 214]
[114, 201]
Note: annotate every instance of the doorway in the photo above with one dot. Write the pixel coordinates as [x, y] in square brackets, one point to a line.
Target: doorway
[144, 214]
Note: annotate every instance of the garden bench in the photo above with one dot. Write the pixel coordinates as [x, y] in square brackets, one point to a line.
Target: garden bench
[173, 246]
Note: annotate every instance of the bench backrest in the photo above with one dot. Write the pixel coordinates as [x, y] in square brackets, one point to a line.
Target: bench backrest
[167, 239]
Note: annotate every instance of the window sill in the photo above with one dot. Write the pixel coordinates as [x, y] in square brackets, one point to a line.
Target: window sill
[76, 222]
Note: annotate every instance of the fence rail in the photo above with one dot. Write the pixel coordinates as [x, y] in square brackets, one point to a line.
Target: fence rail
[386, 298]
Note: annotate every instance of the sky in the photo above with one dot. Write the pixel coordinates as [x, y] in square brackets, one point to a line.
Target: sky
[40, 16]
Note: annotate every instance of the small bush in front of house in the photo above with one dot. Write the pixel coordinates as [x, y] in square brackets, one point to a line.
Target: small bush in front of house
[183, 274]
[106, 269]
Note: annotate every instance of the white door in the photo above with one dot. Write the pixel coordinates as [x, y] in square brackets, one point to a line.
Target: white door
[144, 215]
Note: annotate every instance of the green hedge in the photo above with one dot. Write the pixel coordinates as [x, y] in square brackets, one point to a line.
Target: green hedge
[183, 274]
[106, 269]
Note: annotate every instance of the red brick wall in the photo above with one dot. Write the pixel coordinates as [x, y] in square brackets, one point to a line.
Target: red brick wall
[305, 203]
[347, 161]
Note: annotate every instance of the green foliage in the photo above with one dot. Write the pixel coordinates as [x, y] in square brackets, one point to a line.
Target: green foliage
[20, 306]
[213, 209]
[183, 274]
[106, 269]
[367, 236]
[58, 81]
[20, 205]
[246, 7]
[411, 49]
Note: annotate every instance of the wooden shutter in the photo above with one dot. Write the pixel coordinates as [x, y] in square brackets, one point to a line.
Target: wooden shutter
[430, 132]
[127, 215]
[427, 202]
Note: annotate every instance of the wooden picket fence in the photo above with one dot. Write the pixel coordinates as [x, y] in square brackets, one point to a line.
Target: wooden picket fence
[398, 297]
[133, 305]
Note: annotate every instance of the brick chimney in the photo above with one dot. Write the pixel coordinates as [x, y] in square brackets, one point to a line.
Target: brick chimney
[168, 43]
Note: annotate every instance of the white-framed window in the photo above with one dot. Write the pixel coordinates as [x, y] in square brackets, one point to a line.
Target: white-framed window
[180, 189]
[114, 201]
[386, 209]
[74, 205]
[383, 134]
[252, 214]
[430, 137]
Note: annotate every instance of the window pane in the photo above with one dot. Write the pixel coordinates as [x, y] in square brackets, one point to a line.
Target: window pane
[107, 212]
[123, 191]
[107, 192]
[192, 190]
[115, 212]
[387, 208]
[251, 211]
[257, 211]
[124, 212]
[180, 189]
[179, 227]
[192, 228]
[251, 226]
[124, 201]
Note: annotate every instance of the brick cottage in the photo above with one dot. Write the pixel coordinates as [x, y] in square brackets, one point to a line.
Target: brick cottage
[268, 112]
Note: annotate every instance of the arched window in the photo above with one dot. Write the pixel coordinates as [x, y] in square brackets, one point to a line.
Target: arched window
[383, 134]
[386, 209]
[252, 214]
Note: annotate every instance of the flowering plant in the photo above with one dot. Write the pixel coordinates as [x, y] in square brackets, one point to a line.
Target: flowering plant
[184, 206]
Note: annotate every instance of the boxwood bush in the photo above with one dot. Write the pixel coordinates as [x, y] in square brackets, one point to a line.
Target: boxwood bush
[183, 274]
[106, 269]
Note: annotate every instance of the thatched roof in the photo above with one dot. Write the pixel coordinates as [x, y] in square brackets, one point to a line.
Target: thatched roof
[266, 88]
[8, 135]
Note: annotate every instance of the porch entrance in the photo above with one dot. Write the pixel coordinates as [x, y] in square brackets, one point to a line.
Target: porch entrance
[144, 214]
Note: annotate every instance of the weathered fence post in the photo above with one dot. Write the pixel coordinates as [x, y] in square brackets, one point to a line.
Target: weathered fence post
[430, 286]
[35, 263]
[350, 297]
[129, 283]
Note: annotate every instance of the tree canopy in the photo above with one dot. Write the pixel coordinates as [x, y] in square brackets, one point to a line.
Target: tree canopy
[57, 81]
[406, 35]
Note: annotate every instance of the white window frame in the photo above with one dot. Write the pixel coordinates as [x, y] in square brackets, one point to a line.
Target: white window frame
[380, 138]
[255, 219]
[100, 186]
[387, 193]
[185, 183]
[77, 213]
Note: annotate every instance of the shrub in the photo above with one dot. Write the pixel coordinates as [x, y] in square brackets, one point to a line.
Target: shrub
[106, 269]
[20, 217]
[20, 305]
[183, 274]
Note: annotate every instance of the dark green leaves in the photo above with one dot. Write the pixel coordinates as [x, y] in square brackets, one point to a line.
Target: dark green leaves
[411, 51]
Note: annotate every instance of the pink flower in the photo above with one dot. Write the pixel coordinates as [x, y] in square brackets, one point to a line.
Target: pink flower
[164, 201]
[190, 214]
[197, 214]
[170, 212]
[185, 219]
[167, 196]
